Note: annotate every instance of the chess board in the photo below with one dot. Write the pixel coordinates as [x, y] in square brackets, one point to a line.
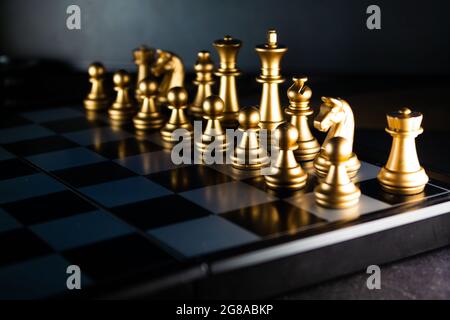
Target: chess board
[76, 191]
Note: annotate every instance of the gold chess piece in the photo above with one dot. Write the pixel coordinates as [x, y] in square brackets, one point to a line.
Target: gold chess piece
[286, 173]
[122, 109]
[336, 117]
[171, 68]
[149, 116]
[248, 153]
[299, 95]
[402, 173]
[97, 99]
[270, 55]
[177, 99]
[143, 58]
[213, 109]
[228, 49]
[204, 80]
[337, 191]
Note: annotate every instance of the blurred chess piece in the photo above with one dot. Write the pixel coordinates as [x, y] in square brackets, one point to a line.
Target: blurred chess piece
[270, 55]
[143, 58]
[402, 173]
[337, 191]
[122, 109]
[286, 173]
[336, 117]
[299, 95]
[248, 153]
[228, 49]
[97, 99]
[213, 137]
[171, 68]
[204, 80]
[149, 116]
[177, 98]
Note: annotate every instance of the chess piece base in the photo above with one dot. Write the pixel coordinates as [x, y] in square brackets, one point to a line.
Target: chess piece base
[403, 183]
[307, 150]
[249, 166]
[168, 129]
[286, 178]
[253, 162]
[120, 115]
[220, 145]
[338, 196]
[148, 122]
[322, 165]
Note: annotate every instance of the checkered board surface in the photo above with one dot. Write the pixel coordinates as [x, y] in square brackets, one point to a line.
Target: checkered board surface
[75, 190]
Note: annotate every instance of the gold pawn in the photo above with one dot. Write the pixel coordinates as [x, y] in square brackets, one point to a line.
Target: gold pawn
[270, 55]
[204, 80]
[402, 173]
[122, 109]
[286, 173]
[299, 96]
[149, 116]
[248, 153]
[143, 58]
[337, 191]
[97, 99]
[177, 99]
[213, 108]
[228, 49]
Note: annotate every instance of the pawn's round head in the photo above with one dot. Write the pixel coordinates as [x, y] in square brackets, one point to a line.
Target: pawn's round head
[338, 149]
[121, 78]
[213, 107]
[148, 87]
[96, 69]
[177, 97]
[286, 135]
[249, 118]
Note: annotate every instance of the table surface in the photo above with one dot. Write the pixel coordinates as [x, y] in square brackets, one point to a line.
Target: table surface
[421, 277]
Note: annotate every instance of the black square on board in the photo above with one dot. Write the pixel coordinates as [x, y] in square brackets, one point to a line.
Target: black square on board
[13, 168]
[13, 120]
[73, 124]
[48, 207]
[41, 145]
[159, 212]
[21, 244]
[188, 178]
[95, 173]
[124, 148]
[118, 257]
[372, 188]
[273, 218]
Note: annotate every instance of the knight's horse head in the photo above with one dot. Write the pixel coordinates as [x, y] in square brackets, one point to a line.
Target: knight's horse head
[162, 63]
[331, 112]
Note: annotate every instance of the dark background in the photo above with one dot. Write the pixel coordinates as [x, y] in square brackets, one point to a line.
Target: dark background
[323, 36]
